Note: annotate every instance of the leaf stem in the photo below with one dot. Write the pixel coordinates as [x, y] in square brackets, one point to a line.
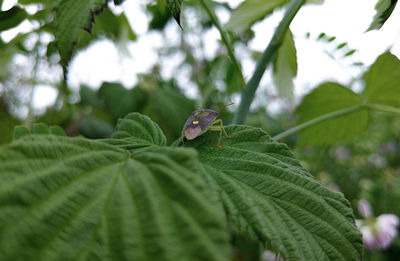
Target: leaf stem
[384, 108]
[318, 120]
[227, 43]
[273, 46]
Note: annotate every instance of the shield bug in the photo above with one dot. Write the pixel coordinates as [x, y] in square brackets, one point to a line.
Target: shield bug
[201, 121]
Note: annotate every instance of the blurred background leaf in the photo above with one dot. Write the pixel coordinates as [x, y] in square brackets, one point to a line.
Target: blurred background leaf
[328, 98]
[384, 9]
[382, 81]
[285, 68]
[12, 17]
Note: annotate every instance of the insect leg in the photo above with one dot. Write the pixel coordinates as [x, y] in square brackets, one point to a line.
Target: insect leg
[220, 129]
[219, 121]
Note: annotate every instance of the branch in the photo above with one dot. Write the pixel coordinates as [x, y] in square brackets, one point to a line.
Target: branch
[273, 46]
[225, 40]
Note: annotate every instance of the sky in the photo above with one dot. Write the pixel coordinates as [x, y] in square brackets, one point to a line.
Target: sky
[347, 20]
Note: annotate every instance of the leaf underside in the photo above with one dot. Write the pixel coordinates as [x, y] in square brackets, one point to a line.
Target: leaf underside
[382, 81]
[131, 197]
[328, 98]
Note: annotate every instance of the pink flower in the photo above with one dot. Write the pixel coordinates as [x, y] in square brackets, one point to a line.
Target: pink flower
[378, 233]
[386, 225]
[364, 208]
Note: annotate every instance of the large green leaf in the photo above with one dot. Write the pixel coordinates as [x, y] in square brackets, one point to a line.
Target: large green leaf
[384, 9]
[249, 12]
[285, 67]
[331, 98]
[382, 81]
[74, 199]
[267, 195]
[132, 198]
[11, 18]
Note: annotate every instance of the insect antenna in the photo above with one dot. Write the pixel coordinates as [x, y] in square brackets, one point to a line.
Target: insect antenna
[226, 105]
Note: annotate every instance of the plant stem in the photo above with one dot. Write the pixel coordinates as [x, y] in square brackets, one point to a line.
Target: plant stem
[273, 46]
[227, 43]
[384, 108]
[318, 120]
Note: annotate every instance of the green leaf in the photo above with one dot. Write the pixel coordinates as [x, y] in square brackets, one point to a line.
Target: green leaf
[94, 127]
[120, 101]
[384, 9]
[159, 15]
[175, 8]
[331, 98]
[171, 110]
[29, 2]
[56, 130]
[90, 97]
[20, 131]
[11, 18]
[268, 196]
[7, 123]
[113, 26]
[38, 129]
[137, 131]
[285, 67]
[252, 11]
[75, 199]
[71, 18]
[249, 12]
[382, 81]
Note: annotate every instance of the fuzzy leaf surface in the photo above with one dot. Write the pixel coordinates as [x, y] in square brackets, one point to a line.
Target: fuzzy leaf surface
[267, 195]
[137, 131]
[76, 199]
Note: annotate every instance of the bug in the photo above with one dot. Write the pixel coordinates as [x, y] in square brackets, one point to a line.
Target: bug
[202, 120]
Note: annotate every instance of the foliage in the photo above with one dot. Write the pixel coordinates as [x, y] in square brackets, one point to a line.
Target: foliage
[11, 18]
[123, 189]
[145, 198]
[285, 67]
[384, 9]
[350, 108]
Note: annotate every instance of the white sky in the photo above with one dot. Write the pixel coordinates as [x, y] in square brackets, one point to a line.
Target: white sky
[347, 20]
